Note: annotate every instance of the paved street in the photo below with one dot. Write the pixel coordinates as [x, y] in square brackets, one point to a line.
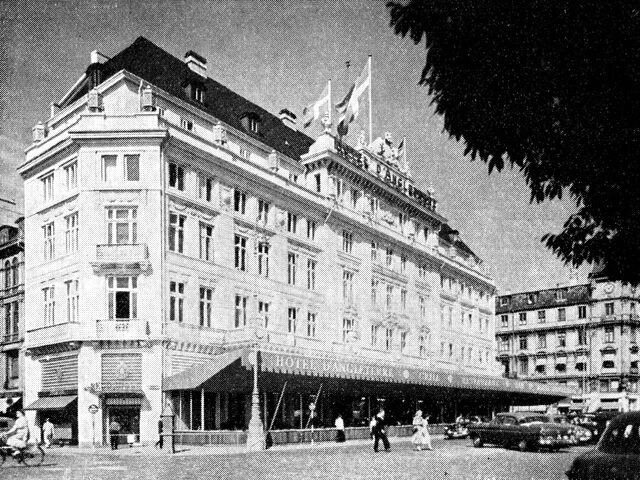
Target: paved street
[451, 460]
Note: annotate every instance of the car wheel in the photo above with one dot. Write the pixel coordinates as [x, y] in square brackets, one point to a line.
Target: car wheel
[523, 446]
[477, 441]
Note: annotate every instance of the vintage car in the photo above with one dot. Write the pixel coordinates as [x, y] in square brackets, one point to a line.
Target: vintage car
[580, 434]
[617, 455]
[524, 430]
[460, 429]
[587, 420]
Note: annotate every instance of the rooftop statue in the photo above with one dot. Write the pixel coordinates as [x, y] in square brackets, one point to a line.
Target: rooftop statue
[384, 148]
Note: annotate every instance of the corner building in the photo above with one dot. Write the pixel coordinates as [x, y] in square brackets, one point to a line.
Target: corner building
[581, 335]
[178, 234]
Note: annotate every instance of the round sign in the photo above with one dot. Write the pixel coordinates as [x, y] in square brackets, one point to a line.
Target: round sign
[93, 409]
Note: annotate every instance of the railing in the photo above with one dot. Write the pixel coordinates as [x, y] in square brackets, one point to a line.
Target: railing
[58, 333]
[122, 329]
[122, 252]
[195, 333]
[10, 337]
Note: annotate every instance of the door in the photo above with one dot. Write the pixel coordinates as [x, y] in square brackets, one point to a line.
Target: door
[129, 419]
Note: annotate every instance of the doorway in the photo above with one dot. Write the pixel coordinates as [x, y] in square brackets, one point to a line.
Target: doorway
[129, 419]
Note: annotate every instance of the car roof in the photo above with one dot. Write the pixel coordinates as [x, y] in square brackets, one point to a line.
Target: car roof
[626, 417]
[522, 414]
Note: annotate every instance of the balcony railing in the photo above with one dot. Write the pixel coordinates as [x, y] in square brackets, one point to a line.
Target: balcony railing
[119, 253]
[10, 337]
[122, 329]
[58, 333]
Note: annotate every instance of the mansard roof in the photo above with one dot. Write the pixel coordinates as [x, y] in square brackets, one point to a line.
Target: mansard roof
[539, 299]
[158, 67]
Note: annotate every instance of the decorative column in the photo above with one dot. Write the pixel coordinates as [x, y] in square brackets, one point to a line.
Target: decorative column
[255, 432]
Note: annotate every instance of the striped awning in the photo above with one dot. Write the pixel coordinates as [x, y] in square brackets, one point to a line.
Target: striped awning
[194, 377]
[52, 403]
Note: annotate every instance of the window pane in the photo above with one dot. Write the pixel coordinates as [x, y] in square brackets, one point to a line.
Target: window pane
[109, 167]
[132, 165]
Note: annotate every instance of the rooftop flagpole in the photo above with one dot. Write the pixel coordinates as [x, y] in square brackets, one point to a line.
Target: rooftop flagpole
[370, 119]
[330, 101]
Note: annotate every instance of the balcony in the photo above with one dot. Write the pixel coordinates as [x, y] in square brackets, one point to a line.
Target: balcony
[121, 258]
[195, 333]
[54, 334]
[122, 329]
[10, 338]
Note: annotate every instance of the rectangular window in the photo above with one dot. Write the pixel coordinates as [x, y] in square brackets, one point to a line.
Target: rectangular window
[263, 313]
[47, 187]
[403, 299]
[13, 369]
[71, 233]
[318, 182]
[206, 242]
[311, 324]
[176, 232]
[122, 226]
[523, 364]
[311, 230]
[240, 318]
[504, 321]
[373, 206]
[422, 352]
[389, 258]
[504, 344]
[389, 302]
[423, 307]
[109, 168]
[402, 220]
[348, 325]
[582, 311]
[523, 342]
[71, 176]
[347, 241]
[263, 259]
[240, 253]
[374, 251]
[542, 341]
[422, 271]
[582, 336]
[73, 300]
[206, 301]
[239, 201]
[523, 318]
[609, 308]
[123, 297]
[205, 187]
[374, 291]
[562, 314]
[292, 223]
[561, 294]
[562, 339]
[609, 335]
[311, 274]
[542, 316]
[176, 176]
[403, 341]
[263, 211]
[355, 195]
[403, 263]
[292, 320]
[374, 335]
[450, 317]
[132, 168]
[16, 318]
[186, 124]
[347, 287]
[292, 260]
[49, 233]
[49, 316]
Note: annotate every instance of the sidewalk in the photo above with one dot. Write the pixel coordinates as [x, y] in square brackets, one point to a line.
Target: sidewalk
[196, 450]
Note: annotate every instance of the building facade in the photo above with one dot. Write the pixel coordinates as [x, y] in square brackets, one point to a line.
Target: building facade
[12, 328]
[178, 235]
[584, 336]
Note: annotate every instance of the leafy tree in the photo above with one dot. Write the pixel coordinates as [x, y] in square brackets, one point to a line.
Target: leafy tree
[552, 88]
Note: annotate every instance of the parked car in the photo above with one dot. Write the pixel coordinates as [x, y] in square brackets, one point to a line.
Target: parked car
[587, 420]
[580, 434]
[617, 455]
[460, 429]
[524, 430]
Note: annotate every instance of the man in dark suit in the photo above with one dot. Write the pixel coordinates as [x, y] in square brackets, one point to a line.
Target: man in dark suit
[380, 432]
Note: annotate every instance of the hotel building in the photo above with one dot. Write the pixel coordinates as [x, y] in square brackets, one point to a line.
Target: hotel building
[581, 335]
[178, 234]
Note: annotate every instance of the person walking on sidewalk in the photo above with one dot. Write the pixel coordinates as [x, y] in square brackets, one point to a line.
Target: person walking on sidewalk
[380, 433]
[418, 438]
[339, 423]
[426, 438]
[114, 433]
[47, 433]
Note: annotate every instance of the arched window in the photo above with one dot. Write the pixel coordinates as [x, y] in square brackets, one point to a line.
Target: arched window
[16, 273]
[7, 274]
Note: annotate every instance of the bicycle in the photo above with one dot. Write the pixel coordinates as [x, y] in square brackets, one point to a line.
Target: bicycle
[30, 456]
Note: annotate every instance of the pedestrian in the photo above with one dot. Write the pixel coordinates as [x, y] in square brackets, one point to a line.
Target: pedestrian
[47, 433]
[114, 433]
[379, 432]
[340, 437]
[417, 439]
[18, 435]
[426, 437]
[160, 428]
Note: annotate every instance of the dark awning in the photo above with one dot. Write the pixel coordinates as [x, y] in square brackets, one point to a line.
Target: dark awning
[52, 403]
[194, 377]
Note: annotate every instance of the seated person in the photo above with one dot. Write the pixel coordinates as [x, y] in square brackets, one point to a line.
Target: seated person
[18, 435]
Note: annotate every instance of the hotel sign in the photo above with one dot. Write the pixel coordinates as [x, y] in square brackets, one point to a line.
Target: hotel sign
[360, 370]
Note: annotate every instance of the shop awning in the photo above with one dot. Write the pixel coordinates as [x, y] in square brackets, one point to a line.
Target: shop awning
[52, 403]
[194, 377]
[7, 403]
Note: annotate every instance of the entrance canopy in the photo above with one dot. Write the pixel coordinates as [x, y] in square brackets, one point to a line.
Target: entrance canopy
[194, 377]
[52, 403]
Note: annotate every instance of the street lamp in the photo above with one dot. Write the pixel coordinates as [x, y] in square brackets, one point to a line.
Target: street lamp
[255, 432]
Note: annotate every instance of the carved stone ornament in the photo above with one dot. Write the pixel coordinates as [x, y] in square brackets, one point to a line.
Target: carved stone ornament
[226, 197]
[281, 219]
[219, 134]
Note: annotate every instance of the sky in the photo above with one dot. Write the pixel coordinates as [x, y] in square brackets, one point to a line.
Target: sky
[280, 54]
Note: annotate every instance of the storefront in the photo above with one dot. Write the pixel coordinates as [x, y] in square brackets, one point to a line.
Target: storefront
[62, 411]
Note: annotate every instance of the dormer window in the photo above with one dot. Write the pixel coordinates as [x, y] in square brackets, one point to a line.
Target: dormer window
[504, 301]
[531, 298]
[251, 122]
[561, 294]
[198, 94]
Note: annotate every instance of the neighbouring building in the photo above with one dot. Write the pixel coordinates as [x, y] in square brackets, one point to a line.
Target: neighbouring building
[12, 327]
[177, 235]
[581, 335]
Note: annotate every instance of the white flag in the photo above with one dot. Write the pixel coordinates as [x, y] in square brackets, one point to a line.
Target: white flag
[312, 112]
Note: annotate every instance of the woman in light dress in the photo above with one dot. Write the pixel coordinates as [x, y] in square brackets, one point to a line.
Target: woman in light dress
[421, 438]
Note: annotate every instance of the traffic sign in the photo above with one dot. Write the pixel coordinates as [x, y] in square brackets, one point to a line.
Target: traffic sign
[93, 409]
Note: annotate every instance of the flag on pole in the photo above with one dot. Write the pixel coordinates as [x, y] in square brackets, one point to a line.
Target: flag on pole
[312, 112]
[349, 106]
[401, 149]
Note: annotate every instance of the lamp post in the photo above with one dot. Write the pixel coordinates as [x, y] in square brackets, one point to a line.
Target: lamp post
[255, 432]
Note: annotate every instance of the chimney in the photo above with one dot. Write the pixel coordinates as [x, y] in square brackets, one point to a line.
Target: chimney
[196, 63]
[97, 57]
[288, 118]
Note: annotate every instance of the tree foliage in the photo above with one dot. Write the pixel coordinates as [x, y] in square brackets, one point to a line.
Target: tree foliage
[553, 88]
